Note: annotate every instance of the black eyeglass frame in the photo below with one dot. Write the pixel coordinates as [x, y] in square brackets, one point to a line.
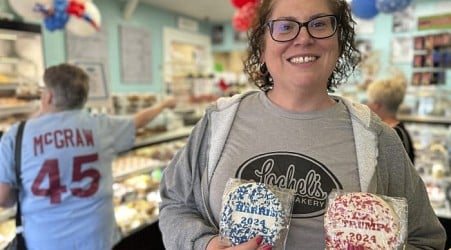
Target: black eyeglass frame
[300, 25]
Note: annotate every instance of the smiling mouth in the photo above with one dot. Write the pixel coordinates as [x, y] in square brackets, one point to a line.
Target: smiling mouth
[305, 59]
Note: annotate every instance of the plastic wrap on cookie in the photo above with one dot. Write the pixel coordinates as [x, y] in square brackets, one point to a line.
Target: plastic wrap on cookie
[251, 208]
[358, 220]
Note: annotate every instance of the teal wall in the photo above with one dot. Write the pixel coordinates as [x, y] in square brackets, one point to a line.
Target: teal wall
[229, 42]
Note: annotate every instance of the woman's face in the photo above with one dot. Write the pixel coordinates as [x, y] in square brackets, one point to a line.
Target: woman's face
[304, 62]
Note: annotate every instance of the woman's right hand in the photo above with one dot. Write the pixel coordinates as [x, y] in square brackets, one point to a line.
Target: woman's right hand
[253, 244]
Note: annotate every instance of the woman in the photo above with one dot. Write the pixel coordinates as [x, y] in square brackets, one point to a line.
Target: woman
[299, 49]
[384, 99]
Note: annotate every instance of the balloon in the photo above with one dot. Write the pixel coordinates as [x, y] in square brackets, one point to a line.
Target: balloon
[57, 17]
[243, 17]
[239, 23]
[83, 21]
[76, 8]
[390, 6]
[365, 9]
[24, 8]
[240, 3]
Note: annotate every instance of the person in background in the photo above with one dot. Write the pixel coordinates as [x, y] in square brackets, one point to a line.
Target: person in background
[298, 51]
[67, 153]
[384, 97]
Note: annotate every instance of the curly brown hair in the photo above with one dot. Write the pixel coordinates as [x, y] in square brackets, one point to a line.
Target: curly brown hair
[347, 62]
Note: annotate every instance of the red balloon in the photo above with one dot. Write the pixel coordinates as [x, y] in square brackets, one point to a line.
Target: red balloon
[243, 17]
[239, 23]
[240, 3]
[76, 8]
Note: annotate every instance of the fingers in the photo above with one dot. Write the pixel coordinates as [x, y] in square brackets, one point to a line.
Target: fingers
[265, 247]
[215, 244]
[255, 243]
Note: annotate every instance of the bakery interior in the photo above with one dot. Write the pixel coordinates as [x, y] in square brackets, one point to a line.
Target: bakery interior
[194, 50]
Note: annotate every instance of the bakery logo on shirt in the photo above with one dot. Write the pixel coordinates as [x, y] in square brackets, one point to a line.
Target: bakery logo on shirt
[310, 179]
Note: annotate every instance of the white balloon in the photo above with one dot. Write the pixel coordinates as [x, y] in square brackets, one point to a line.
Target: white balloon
[82, 27]
[24, 8]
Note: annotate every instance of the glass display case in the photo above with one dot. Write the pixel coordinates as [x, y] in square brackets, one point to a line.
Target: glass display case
[21, 69]
[21, 53]
[427, 115]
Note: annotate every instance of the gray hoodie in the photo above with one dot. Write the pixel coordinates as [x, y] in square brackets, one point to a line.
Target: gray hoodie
[384, 168]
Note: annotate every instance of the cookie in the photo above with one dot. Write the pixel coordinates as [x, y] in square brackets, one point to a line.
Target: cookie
[362, 221]
[252, 209]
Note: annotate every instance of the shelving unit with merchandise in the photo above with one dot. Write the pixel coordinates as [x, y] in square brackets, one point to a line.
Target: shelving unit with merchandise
[432, 57]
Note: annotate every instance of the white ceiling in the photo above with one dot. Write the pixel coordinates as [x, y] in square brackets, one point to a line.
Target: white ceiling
[212, 10]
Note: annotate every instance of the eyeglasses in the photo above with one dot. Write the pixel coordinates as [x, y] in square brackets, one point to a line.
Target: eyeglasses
[284, 30]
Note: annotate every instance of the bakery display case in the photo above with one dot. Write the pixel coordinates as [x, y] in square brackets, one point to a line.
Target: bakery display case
[21, 69]
[21, 65]
[432, 144]
[427, 115]
[7, 226]
[137, 175]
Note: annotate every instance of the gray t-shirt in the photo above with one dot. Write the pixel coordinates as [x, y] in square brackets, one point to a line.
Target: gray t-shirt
[310, 152]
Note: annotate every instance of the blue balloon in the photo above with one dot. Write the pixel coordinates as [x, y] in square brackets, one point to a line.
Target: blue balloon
[390, 6]
[365, 9]
[59, 17]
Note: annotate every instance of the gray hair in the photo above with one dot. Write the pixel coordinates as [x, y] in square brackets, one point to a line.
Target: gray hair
[69, 85]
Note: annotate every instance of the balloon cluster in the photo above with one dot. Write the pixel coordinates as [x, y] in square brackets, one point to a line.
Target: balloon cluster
[81, 17]
[244, 14]
[367, 9]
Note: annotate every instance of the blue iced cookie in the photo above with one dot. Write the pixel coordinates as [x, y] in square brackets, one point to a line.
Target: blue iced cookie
[252, 209]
